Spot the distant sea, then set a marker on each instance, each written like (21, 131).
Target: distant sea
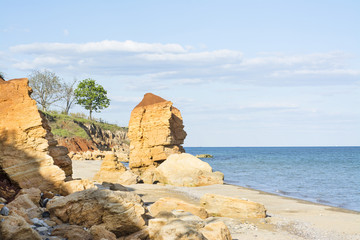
(326, 175)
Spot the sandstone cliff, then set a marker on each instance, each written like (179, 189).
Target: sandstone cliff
(156, 130)
(28, 151)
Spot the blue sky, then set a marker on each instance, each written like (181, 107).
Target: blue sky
(242, 73)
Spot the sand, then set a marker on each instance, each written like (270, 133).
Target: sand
(288, 218)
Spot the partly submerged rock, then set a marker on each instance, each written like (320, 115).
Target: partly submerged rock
(156, 130)
(119, 212)
(223, 206)
(186, 170)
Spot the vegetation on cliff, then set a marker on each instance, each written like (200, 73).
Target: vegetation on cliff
(63, 125)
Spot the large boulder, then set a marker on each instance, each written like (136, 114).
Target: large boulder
(15, 227)
(223, 206)
(169, 204)
(178, 225)
(156, 131)
(26, 143)
(119, 212)
(186, 170)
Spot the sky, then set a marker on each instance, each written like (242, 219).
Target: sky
(242, 73)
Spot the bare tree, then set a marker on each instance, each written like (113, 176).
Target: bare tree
(68, 95)
(46, 87)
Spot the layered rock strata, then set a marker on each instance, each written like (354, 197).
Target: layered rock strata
(26, 143)
(156, 131)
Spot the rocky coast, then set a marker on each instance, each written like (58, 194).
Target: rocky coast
(165, 194)
(287, 218)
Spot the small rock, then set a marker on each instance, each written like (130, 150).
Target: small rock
(3, 200)
(45, 214)
(4, 211)
(43, 202)
(39, 223)
(42, 230)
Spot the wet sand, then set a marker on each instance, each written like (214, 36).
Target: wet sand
(288, 218)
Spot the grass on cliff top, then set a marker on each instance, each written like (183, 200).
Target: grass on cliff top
(65, 125)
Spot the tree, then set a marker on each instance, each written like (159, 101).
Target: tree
(46, 87)
(68, 95)
(91, 96)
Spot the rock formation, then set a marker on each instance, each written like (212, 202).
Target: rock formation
(186, 170)
(119, 212)
(156, 130)
(27, 148)
(223, 206)
(113, 171)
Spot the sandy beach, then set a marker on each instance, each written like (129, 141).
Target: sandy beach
(288, 218)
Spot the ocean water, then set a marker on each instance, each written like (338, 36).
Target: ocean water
(326, 175)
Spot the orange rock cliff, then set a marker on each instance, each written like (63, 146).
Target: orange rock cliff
(29, 155)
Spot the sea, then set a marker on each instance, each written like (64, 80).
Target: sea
(325, 175)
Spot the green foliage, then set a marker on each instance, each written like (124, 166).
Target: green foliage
(63, 125)
(91, 96)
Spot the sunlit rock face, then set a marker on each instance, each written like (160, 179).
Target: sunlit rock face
(156, 131)
(26, 143)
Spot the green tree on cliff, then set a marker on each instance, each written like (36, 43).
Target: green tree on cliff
(91, 96)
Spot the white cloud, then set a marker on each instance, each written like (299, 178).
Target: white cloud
(96, 47)
(331, 72)
(163, 65)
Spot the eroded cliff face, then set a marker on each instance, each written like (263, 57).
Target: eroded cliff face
(156, 130)
(28, 151)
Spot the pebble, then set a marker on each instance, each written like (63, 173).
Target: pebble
(43, 202)
(45, 214)
(4, 211)
(3, 200)
(39, 223)
(42, 230)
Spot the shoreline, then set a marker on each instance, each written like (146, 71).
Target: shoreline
(93, 166)
(297, 199)
(288, 218)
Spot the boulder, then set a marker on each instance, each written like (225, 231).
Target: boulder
(169, 204)
(186, 170)
(75, 186)
(26, 141)
(184, 225)
(216, 231)
(119, 212)
(156, 130)
(15, 227)
(99, 232)
(24, 206)
(223, 206)
(161, 229)
(71, 232)
(113, 171)
(33, 193)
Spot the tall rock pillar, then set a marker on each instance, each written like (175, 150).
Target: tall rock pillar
(156, 130)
